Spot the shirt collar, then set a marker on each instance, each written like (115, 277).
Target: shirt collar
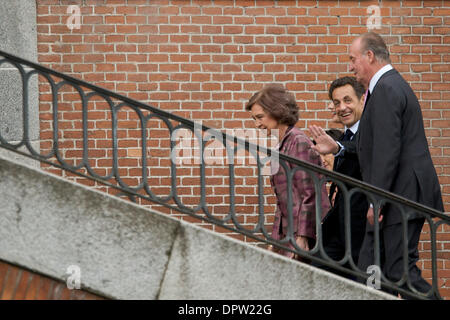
(353, 128)
(377, 76)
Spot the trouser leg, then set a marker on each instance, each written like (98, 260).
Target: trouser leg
(394, 267)
(366, 257)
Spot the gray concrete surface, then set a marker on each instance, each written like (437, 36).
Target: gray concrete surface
(124, 251)
(18, 36)
(16, 157)
(204, 265)
(18, 28)
(11, 102)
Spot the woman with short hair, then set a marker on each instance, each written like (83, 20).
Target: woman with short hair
(274, 108)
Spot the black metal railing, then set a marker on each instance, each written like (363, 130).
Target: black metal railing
(202, 134)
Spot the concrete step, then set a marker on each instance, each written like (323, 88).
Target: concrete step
(121, 250)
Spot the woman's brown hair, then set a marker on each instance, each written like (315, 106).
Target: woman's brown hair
(277, 102)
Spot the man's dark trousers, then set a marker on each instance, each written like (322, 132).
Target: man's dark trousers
(392, 248)
(333, 226)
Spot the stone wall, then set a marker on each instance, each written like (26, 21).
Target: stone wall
(18, 36)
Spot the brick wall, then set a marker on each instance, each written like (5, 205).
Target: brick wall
(203, 60)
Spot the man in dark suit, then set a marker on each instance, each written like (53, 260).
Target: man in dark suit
(393, 155)
(348, 97)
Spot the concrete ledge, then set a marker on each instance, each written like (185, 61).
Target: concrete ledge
(18, 36)
(11, 106)
(18, 28)
(125, 251)
(205, 265)
(16, 157)
(48, 224)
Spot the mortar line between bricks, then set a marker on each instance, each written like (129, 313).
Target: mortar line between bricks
(5, 279)
(18, 278)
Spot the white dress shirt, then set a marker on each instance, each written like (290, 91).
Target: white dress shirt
(378, 75)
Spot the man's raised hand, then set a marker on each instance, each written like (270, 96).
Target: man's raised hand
(325, 144)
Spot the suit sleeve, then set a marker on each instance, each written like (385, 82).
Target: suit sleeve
(385, 117)
(350, 146)
(303, 186)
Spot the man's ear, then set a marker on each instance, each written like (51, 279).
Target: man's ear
(363, 98)
(371, 56)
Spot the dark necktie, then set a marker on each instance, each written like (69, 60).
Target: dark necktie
(347, 137)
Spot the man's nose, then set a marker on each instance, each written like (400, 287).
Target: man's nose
(340, 107)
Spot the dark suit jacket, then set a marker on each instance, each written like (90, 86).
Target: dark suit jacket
(392, 147)
(334, 222)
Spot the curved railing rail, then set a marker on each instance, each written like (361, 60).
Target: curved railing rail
(232, 144)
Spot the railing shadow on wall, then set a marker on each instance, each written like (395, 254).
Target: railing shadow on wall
(83, 93)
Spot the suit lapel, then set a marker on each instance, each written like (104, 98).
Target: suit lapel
(367, 103)
(335, 164)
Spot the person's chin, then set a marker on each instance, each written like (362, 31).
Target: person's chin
(343, 121)
(348, 124)
(265, 131)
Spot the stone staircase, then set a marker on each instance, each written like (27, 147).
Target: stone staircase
(123, 251)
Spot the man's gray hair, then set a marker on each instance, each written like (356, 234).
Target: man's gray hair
(372, 41)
